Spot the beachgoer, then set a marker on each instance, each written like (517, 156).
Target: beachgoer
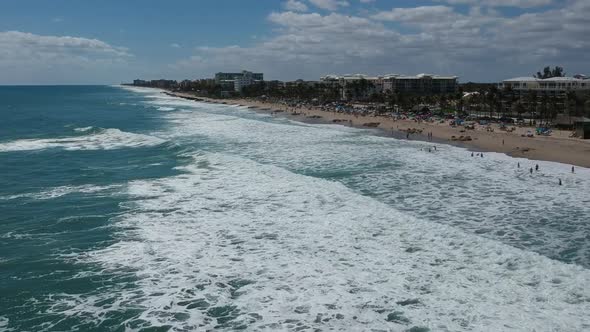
(560, 182)
(482, 155)
(537, 167)
(502, 142)
(472, 154)
(408, 136)
(518, 165)
(572, 169)
(531, 170)
(434, 148)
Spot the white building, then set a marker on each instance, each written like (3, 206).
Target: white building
(344, 81)
(418, 84)
(554, 85)
(237, 81)
(242, 81)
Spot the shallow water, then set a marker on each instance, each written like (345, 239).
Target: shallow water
(126, 207)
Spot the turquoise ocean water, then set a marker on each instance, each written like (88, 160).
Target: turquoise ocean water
(125, 209)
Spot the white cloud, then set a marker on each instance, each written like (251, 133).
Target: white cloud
(502, 3)
(416, 14)
(25, 54)
(480, 43)
(16, 45)
(175, 45)
(329, 4)
(295, 5)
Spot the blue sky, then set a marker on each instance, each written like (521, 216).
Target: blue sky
(105, 42)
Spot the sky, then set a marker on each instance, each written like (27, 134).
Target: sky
(114, 41)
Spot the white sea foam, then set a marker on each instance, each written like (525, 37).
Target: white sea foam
(63, 191)
(489, 195)
(137, 89)
(166, 109)
(106, 139)
(3, 323)
(83, 129)
(244, 238)
(236, 243)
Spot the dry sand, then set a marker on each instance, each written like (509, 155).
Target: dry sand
(559, 147)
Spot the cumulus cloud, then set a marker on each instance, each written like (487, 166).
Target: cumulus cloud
(24, 53)
(22, 46)
(502, 3)
(416, 14)
(329, 4)
(296, 6)
(436, 39)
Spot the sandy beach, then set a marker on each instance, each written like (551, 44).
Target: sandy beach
(558, 147)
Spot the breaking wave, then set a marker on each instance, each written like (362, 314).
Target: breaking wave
(236, 244)
(63, 191)
(95, 139)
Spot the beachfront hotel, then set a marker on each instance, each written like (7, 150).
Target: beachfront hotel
(237, 81)
(551, 86)
(418, 84)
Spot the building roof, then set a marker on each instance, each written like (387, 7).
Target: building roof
(367, 77)
(523, 79)
(562, 79)
(420, 76)
(552, 79)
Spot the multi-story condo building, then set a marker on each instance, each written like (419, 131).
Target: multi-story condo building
(347, 83)
(419, 84)
(232, 76)
(237, 81)
(552, 86)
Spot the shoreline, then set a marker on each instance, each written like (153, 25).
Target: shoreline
(558, 148)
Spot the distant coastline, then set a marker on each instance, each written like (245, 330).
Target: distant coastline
(557, 148)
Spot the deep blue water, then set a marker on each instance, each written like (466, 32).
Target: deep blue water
(35, 232)
(124, 209)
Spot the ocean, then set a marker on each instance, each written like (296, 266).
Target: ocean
(123, 209)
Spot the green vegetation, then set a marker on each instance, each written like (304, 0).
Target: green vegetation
(481, 100)
(549, 73)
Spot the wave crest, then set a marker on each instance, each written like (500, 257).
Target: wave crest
(95, 139)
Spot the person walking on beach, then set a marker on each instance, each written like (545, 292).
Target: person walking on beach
(472, 154)
(537, 167)
(560, 182)
(518, 165)
(481, 155)
(531, 170)
(502, 142)
(572, 169)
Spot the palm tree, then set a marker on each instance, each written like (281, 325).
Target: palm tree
(520, 109)
(570, 104)
(507, 96)
(532, 105)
